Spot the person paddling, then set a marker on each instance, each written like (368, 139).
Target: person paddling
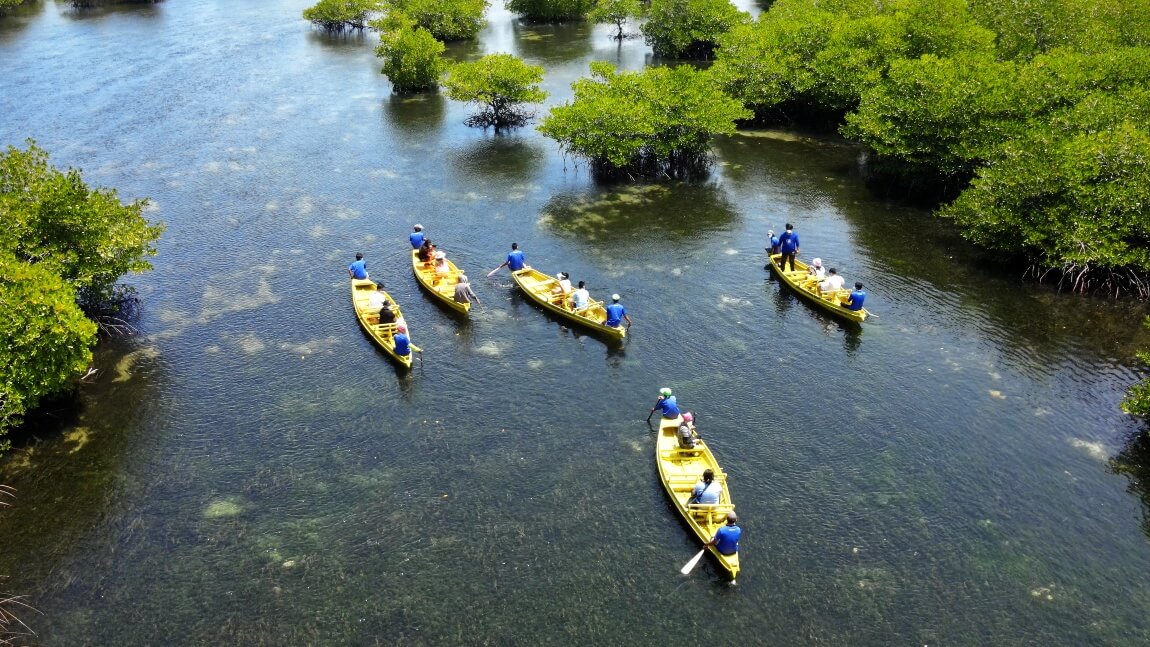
(358, 269)
(515, 260)
(726, 540)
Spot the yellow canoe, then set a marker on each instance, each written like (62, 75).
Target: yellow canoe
(680, 470)
(832, 302)
(544, 290)
(441, 286)
(383, 334)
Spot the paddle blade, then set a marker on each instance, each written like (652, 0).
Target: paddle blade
(690, 566)
(492, 272)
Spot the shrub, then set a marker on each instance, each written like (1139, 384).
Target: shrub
(338, 15)
(447, 20)
(689, 28)
(411, 56)
(616, 12)
(500, 84)
(551, 10)
(657, 121)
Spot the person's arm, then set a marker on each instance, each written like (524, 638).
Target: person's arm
(628, 318)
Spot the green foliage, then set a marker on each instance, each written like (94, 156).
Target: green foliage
(544, 11)
(338, 15)
(447, 20)
(689, 28)
(7, 4)
(63, 246)
(48, 338)
(500, 84)
(86, 236)
(657, 121)
(412, 56)
(616, 12)
(1137, 399)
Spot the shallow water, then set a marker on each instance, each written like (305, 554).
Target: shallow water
(250, 470)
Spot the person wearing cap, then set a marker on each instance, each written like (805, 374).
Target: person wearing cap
(358, 269)
(832, 284)
(726, 540)
(687, 435)
(856, 298)
(666, 404)
(707, 490)
(581, 297)
(788, 247)
(564, 288)
(402, 341)
(416, 237)
(773, 241)
(442, 269)
(463, 292)
(616, 313)
(816, 270)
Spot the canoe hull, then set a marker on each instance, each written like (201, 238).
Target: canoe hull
(382, 335)
(442, 288)
(538, 286)
(680, 470)
(831, 303)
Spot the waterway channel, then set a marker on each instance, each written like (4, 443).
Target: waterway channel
(250, 470)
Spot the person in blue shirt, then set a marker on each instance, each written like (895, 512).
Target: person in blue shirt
(666, 404)
(402, 341)
(726, 541)
(774, 242)
(515, 260)
(616, 313)
(788, 247)
(358, 269)
(416, 237)
(706, 491)
(856, 298)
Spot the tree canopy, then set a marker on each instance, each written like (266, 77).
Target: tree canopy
(655, 122)
(412, 56)
(1137, 399)
(62, 249)
(689, 28)
(545, 11)
(340, 15)
(499, 84)
(446, 20)
(616, 12)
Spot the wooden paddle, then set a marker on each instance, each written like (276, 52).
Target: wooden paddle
(492, 272)
(690, 566)
(652, 411)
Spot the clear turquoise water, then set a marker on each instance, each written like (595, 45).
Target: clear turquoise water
(250, 470)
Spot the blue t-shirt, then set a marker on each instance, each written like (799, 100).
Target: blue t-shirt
(615, 313)
(515, 260)
(855, 300)
(706, 493)
(416, 239)
(358, 269)
(727, 539)
(788, 242)
(774, 242)
(402, 344)
(668, 407)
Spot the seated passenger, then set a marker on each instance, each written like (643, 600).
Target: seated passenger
(832, 284)
(706, 491)
(616, 313)
(687, 435)
(463, 292)
(426, 250)
(726, 540)
(386, 314)
(376, 299)
(856, 298)
(442, 269)
(581, 297)
(564, 288)
(815, 270)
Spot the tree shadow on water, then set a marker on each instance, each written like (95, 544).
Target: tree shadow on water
(640, 213)
(96, 9)
(1133, 461)
(502, 156)
(415, 115)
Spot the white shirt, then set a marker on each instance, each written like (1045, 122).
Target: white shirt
(818, 272)
(581, 297)
(375, 300)
(565, 285)
(834, 282)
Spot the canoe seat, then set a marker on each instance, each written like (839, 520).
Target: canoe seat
(712, 511)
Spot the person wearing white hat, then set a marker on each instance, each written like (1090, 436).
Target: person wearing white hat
(616, 313)
(416, 237)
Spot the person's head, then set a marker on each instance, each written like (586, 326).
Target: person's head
(688, 417)
(615, 298)
(832, 271)
(358, 256)
(732, 518)
(563, 276)
(708, 475)
(790, 226)
(858, 286)
(818, 262)
(582, 285)
(439, 256)
(427, 243)
(419, 227)
(463, 278)
(665, 392)
(770, 232)
(401, 328)
(387, 305)
(514, 245)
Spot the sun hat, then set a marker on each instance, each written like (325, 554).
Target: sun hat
(687, 417)
(614, 297)
(665, 391)
(818, 262)
(419, 227)
(439, 255)
(401, 328)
